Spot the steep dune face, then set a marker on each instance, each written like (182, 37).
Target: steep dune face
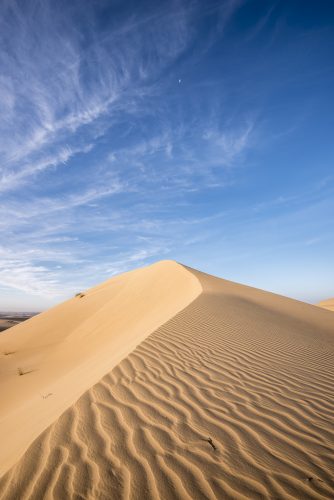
(232, 397)
(47, 362)
(327, 304)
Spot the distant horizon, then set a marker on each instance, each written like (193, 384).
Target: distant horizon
(195, 131)
(19, 311)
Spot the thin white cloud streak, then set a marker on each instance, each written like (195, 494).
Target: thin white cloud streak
(15, 178)
(230, 144)
(134, 259)
(32, 279)
(28, 269)
(176, 159)
(16, 213)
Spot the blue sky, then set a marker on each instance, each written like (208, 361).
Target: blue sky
(134, 131)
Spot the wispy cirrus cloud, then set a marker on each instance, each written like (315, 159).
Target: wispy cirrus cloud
(130, 131)
(14, 177)
(230, 144)
(60, 80)
(23, 274)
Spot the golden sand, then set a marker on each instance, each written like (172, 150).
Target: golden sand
(168, 383)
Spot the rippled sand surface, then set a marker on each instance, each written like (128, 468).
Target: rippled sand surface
(232, 396)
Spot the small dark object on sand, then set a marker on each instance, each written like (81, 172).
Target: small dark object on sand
(23, 372)
(209, 440)
(47, 395)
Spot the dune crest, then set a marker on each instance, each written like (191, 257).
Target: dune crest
(51, 359)
(232, 396)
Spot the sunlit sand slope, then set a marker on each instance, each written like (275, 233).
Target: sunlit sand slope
(327, 304)
(233, 397)
(47, 362)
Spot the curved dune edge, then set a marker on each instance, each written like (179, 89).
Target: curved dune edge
(64, 351)
(232, 397)
(327, 304)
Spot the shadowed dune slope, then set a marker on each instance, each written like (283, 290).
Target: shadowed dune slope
(232, 397)
(47, 362)
(327, 304)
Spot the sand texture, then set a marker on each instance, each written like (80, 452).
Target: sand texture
(327, 304)
(230, 396)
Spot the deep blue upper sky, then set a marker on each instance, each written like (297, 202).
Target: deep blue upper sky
(134, 131)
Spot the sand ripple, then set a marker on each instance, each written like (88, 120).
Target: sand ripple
(223, 401)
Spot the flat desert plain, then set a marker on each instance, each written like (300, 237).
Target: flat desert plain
(8, 320)
(168, 383)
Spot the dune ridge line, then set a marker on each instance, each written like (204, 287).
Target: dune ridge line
(231, 398)
(57, 355)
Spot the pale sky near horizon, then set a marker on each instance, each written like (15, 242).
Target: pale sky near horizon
(135, 131)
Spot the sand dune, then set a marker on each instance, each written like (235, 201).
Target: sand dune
(327, 304)
(230, 396)
(65, 350)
